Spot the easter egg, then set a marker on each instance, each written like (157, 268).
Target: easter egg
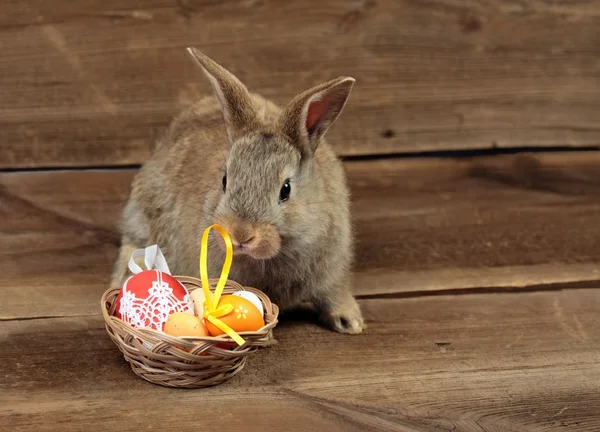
(244, 316)
(148, 298)
(198, 299)
(253, 298)
(185, 324)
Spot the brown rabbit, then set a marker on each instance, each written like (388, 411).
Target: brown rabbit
(269, 178)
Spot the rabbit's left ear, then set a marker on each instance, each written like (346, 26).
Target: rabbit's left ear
(309, 115)
(238, 111)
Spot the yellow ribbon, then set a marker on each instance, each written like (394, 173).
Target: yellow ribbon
(212, 311)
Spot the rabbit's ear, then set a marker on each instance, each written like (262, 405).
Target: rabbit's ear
(309, 115)
(236, 104)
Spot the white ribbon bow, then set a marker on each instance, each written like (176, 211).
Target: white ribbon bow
(153, 258)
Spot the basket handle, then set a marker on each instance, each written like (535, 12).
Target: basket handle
(153, 258)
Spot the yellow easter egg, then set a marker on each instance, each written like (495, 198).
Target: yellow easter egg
(184, 324)
(244, 316)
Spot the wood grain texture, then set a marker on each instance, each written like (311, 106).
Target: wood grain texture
(422, 225)
(95, 83)
(482, 362)
(501, 221)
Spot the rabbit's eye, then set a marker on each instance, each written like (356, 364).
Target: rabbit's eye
(284, 195)
(224, 182)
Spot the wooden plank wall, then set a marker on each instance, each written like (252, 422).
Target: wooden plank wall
(93, 83)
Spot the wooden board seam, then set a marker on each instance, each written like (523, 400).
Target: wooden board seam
(592, 284)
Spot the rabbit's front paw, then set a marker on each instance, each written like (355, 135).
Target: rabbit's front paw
(348, 320)
(349, 325)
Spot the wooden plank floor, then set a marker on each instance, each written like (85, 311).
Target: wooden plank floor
(478, 279)
(493, 362)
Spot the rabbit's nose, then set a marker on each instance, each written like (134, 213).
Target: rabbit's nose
(243, 243)
(259, 241)
(242, 235)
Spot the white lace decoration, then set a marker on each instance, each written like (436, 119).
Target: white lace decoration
(153, 310)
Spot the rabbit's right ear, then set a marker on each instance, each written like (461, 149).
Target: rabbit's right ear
(309, 115)
(238, 111)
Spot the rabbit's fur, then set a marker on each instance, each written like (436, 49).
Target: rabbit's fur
(297, 250)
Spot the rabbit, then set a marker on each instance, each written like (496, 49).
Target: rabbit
(266, 174)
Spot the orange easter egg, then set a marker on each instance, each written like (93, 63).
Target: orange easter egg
(184, 324)
(244, 316)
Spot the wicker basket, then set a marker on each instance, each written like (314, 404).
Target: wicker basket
(186, 362)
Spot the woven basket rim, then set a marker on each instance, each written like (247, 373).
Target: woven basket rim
(271, 313)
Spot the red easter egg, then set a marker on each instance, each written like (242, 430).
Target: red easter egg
(148, 298)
